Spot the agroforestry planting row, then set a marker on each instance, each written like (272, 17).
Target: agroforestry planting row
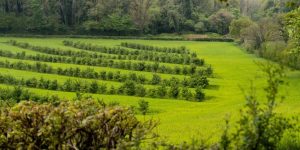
(126, 65)
(113, 53)
(140, 47)
(17, 94)
(132, 84)
(180, 50)
(89, 73)
(129, 88)
(183, 55)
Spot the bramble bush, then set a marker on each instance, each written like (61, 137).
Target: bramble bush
(85, 124)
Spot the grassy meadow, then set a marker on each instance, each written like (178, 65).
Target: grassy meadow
(179, 119)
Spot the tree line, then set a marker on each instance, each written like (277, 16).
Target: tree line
(129, 88)
(113, 54)
(138, 66)
(18, 94)
(90, 73)
(126, 65)
(116, 17)
(271, 32)
(180, 50)
(133, 17)
(182, 58)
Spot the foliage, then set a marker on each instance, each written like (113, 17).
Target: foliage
(199, 94)
(143, 107)
(71, 125)
(220, 22)
(259, 126)
(238, 25)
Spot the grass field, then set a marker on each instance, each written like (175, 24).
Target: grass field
(182, 120)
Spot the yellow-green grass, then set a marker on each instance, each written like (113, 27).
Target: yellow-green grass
(182, 120)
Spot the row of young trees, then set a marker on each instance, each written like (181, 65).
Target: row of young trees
(112, 50)
(89, 73)
(158, 54)
(128, 65)
(129, 88)
(147, 56)
(180, 50)
(18, 94)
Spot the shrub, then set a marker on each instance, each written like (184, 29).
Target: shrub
(143, 107)
(199, 95)
(82, 124)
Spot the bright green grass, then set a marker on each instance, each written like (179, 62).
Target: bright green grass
(182, 120)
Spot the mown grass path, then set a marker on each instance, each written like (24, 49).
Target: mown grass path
(183, 120)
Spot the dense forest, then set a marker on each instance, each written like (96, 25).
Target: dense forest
(131, 17)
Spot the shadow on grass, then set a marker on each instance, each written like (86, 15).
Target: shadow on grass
(207, 98)
(213, 87)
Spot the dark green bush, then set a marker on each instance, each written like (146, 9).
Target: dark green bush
(85, 124)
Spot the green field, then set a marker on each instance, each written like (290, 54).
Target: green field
(181, 120)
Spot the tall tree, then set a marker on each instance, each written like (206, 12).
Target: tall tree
(140, 12)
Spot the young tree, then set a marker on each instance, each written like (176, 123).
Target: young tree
(260, 127)
(161, 91)
(156, 79)
(199, 95)
(186, 93)
(129, 88)
(174, 91)
(140, 90)
(93, 88)
(143, 107)
(112, 90)
(68, 85)
(53, 85)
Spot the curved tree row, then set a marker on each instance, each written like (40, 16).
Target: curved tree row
(145, 56)
(17, 94)
(129, 88)
(162, 56)
(180, 50)
(126, 65)
(89, 73)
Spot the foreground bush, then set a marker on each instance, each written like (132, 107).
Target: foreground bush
(70, 125)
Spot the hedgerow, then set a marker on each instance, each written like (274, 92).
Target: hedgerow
(129, 88)
(166, 55)
(89, 73)
(180, 50)
(126, 65)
